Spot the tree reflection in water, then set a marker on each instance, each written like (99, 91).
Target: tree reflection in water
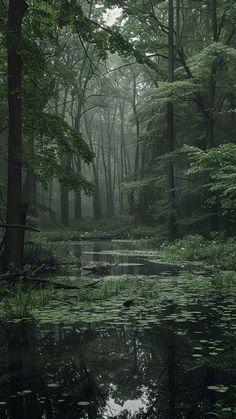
(58, 373)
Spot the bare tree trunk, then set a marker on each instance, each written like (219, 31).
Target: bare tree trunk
(51, 217)
(211, 120)
(78, 192)
(111, 207)
(29, 191)
(14, 241)
(137, 123)
(97, 210)
(172, 225)
(64, 197)
(65, 205)
(122, 156)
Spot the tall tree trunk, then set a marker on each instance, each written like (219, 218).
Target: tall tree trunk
(211, 119)
(29, 191)
(172, 225)
(97, 210)
(214, 20)
(64, 205)
(111, 212)
(65, 208)
(66, 163)
(137, 124)
(122, 156)
(78, 194)
(14, 242)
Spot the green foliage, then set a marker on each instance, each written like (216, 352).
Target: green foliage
(218, 253)
(176, 92)
(218, 166)
(57, 140)
(216, 54)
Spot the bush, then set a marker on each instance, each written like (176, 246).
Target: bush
(38, 252)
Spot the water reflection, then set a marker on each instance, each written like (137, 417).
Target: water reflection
(119, 373)
(64, 371)
(118, 254)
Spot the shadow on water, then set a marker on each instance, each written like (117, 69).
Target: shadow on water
(61, 371)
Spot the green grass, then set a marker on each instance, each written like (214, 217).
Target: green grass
(21, 298)
(219, 253)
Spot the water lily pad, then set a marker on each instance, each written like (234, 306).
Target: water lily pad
(53, 385)
(83, 403)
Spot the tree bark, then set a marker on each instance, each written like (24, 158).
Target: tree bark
(172, 226)
(78, 194)
(64, 195)
(14, 241)
(29, 192)
(65, 207)
(122, 156)
(97, 210)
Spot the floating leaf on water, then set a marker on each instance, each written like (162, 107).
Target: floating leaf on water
(219, 388)
(53, 385)
(83, 403)
(26, 392)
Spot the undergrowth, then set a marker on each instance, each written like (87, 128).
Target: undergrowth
(20, 299)
(220, 253)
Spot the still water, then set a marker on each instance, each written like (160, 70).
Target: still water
(176, 361)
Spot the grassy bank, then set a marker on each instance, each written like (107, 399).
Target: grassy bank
(221, 253)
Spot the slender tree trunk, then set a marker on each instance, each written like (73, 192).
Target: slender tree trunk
(14, 241)
(106, 176)
(78, 194)
(214, 20)
(64, 205)
(137, 123)
(50, 203)
(211, 120)
(172, 226)
(43, 204)
(29, 191)
(97, 210)
(65, 208)
(66, 163)
(111, 209)
(122, 157)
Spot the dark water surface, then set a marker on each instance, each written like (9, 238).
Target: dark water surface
(178, 364)
(122, 256)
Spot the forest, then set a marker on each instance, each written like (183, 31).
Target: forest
(117, 209)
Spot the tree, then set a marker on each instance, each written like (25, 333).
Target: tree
(172, 226)
(14, 239)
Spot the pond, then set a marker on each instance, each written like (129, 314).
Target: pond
(148, 341)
